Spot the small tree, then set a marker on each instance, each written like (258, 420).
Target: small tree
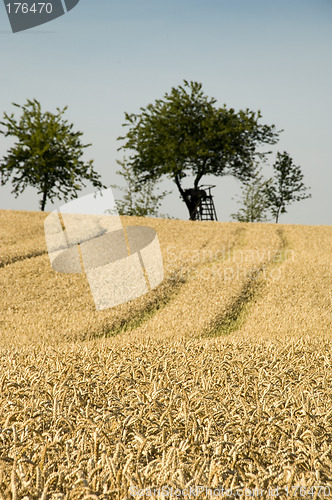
(287, 185)
(46, 156)
(139, 199)
(254, 199)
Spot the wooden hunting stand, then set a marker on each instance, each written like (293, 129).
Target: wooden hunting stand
(201, 203)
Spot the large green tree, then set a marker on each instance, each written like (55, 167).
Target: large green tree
(47, 154)
(186, 134)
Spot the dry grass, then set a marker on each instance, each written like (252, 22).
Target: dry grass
(97, 419)
(21, 235)
(54, 307)
(298, 293)
(214, 285)
(220, 377)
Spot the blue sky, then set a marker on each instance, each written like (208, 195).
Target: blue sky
(104, 58)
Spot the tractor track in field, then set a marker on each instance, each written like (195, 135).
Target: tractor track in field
(167, 292)
(252, 289)
(20, 258)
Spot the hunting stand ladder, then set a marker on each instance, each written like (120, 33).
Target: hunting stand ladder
(201, 201)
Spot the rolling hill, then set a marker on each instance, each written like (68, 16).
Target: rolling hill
(220, 377)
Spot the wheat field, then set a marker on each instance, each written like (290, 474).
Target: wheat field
(217, 384)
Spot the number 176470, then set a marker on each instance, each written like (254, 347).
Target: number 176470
(35, 8)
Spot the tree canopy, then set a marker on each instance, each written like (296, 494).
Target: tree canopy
(265, 197)
(186, 134)
(287, 185)
(137, 200)
(47, 154)
(254, 198)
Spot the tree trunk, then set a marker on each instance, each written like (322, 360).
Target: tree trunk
(198, 178)
(277, 217)
(43, 202)
(45, 190)
(184, 197)
(190, 206)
